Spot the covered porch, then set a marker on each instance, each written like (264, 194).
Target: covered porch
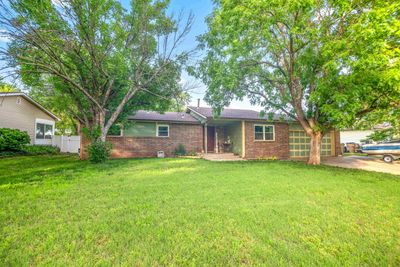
(224, 137)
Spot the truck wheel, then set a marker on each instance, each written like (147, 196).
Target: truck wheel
(387, 158)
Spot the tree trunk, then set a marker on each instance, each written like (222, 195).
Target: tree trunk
(103, 135)
(103, 128)
(315, 148)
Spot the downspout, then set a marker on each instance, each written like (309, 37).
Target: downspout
(205, 138)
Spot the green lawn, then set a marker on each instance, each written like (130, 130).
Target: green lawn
(61, 211)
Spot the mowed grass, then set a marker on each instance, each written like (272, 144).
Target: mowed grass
(61, 211)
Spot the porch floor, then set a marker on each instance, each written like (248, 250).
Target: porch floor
(221, 157)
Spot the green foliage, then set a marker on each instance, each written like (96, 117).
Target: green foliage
(180, 150)
(185, 212)
(32, 150)
(13, 139)
(41, 150)
(326, 63)
(5, 87)
(94, 62)
(272, 158)
(115, 130)
(191, 153)
(382, 135)
(92, 134)
(99, 151)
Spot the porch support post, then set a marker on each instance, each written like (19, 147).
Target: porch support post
(243, 140)
(216, 149)
(205, 138)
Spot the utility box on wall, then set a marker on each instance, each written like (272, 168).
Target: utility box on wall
(160, 154)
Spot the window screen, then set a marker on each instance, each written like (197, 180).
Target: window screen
(163, 130)
(264, 132)
(258, 132)
(44, 131)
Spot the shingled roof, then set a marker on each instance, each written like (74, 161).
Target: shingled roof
(230, 113)
(144, 115)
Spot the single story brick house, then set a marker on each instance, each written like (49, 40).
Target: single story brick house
(242, 132)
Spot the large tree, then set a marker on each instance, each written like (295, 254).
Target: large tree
(101, 60)
(322, 63)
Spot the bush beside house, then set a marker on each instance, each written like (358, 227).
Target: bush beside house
(13, 139)
(99, 151)
(15, 142)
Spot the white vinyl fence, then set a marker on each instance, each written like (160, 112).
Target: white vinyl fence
(68, 144)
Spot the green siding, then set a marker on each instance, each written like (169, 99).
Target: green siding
(143, 129)
(234, 132)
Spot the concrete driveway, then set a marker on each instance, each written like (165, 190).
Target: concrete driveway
(364, 163)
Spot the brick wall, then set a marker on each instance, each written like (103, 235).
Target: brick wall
(83, 153)
(278, 148)
(191, 136)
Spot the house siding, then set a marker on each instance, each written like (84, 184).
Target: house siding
(349, 136)
(190, 135)
(140, 129)
(278, 148)
(21, 116)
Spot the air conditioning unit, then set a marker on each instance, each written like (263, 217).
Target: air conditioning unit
(160, 154)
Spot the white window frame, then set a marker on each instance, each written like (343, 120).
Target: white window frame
(48, 122)
(162, 125)
(263, 127)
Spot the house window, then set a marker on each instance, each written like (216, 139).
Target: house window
(44, 131)
(264, 132)
(162, 130)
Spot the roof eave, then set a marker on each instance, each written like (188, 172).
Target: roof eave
(248, 119)
(198, 113)
(34, 103)
(171, 121)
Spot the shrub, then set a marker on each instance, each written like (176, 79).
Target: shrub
(192, 153)
(41, 150)
(13, 139)
(32, 150)
(99, 151)
(11, 153)
(180, 150)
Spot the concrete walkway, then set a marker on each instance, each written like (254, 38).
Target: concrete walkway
(221, 157)
(364, 163)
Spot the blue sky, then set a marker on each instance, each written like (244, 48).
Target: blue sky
(200, 10)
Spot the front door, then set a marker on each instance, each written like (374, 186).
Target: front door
(210, 139)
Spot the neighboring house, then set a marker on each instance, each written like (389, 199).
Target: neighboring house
(354, 136)
(359, 136)
(19, 111)
(242, 132)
